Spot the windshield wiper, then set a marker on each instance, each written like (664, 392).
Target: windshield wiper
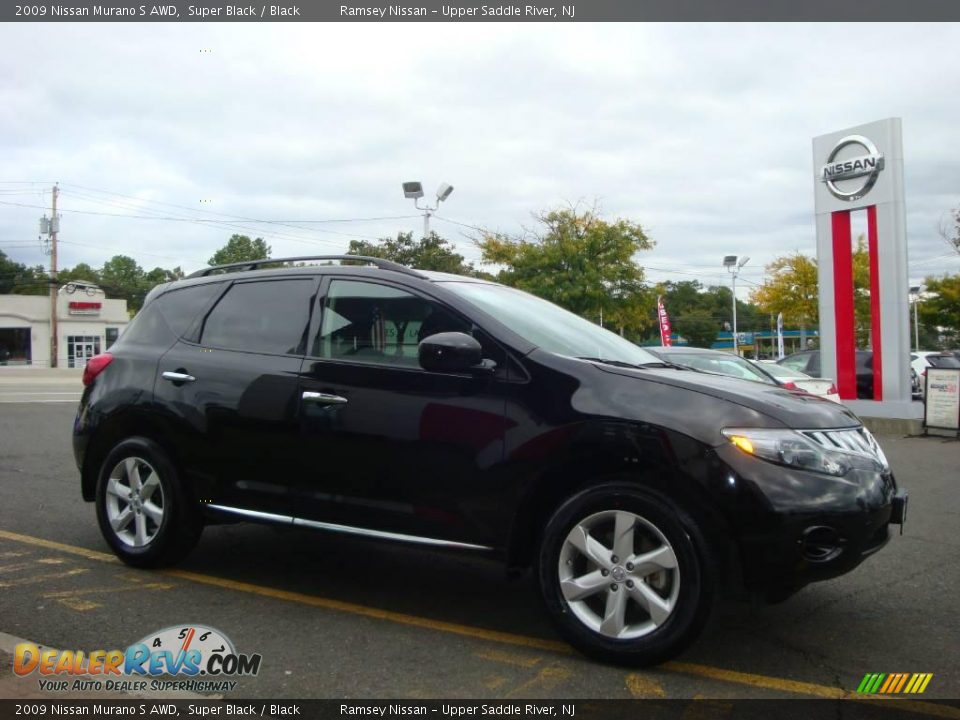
(607, 361)
(668, 364)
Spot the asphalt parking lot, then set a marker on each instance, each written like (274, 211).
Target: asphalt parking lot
(338, 617)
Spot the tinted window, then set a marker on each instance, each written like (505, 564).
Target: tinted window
(378, 323)
(181, 307)
(147, 328)
(269, 316)
(943, 361)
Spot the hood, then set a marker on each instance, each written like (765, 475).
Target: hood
(790, 408)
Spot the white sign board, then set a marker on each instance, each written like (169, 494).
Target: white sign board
(943, 398)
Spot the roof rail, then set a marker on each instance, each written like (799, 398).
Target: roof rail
(254, 264)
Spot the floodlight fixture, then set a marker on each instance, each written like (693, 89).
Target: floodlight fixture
(443, 192)
(729, 261)
(413, 190)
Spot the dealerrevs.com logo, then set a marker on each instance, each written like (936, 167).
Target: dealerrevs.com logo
(199, 658)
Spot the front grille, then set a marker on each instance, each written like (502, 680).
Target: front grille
(856, 440)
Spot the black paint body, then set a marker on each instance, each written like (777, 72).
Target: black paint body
(480, 458)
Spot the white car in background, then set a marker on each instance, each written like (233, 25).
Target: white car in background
(921, 360)
(794, 379)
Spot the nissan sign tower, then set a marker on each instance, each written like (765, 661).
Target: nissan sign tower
(862, 169)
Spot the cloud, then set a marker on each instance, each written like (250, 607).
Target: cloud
(700, 132)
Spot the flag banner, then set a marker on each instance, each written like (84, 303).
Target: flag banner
(664, 323)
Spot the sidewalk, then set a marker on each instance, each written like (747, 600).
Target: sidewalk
(21, 372)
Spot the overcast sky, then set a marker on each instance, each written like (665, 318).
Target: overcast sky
(702, 133)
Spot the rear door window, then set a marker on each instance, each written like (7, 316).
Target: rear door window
(265, 316)
(180, 308)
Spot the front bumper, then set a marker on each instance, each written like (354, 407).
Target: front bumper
(794, 527)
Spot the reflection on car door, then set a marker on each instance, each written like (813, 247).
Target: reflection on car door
(389, 446)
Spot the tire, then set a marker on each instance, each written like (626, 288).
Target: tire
(157, 528)
(665, 600)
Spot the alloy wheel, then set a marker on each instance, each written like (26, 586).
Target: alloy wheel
(619, 574)
(135, 502)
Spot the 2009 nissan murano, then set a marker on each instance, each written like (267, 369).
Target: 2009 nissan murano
(420, 407)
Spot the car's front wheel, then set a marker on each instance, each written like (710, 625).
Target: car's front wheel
(625, 575)
(144, 513)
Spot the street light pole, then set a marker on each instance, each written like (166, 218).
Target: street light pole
(915, 291)
(733, 266)
(414, 191)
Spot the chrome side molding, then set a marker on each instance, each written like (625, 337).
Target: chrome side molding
(346, 529)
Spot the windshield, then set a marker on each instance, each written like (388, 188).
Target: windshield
(722, 364)
(550, 327)
(783, 372)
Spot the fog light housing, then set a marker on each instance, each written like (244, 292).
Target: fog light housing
(820, 544)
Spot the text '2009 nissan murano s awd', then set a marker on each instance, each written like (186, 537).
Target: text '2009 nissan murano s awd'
(419, 407)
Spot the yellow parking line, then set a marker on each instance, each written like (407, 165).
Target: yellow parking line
(34, 579)
(508, 658)
(641, 686)
(685, 668)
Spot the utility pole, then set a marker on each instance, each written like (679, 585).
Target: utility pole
(734, 265)
(54, 227)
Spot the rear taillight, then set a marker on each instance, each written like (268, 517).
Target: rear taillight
(790, 385)
(95, 366)
(833, 390)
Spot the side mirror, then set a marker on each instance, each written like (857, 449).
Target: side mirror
(450, 352)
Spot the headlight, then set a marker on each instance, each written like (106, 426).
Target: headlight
(790, 448)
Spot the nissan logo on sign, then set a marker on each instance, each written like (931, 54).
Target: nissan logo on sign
(866, 166)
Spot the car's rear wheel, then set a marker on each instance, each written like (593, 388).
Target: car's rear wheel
(625, 575)
(144, 513)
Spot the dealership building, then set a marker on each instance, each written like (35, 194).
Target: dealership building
(87, 324)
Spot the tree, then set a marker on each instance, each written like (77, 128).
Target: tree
(580, 262)
(240, 248)
(19, 279)
(940, 308)
(952, 234)
(426, 253)
(698, 327)
(793, 290)
(81, 272)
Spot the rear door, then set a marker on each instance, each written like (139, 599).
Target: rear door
(228, 390)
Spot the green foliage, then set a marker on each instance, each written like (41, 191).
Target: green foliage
(688, 297)
(580, 262)
(698, 327)
(19, 279)
(81, 272)
(793, 290)
(241, 248)
(940, 308)
(426, 253)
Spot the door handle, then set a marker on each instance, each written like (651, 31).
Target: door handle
(319, 398)
(177, 377)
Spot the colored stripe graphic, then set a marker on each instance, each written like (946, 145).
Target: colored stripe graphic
(875, 341)
(894, 683)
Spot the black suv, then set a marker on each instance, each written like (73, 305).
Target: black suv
(448, 411)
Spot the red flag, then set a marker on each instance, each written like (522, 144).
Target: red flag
(664, 323)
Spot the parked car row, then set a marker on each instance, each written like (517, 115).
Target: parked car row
(724, 363)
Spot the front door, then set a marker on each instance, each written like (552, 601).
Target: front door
(387, 445)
